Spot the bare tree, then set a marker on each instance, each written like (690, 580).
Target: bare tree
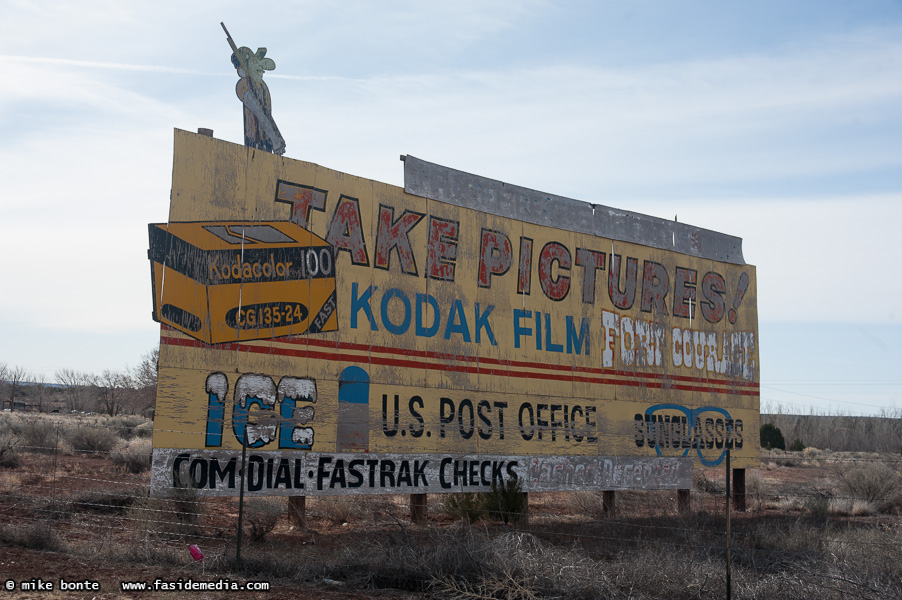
(15, 377)
(113, 387)
(39, 392)
(76, 388)
(144, 380)
(145, 374)
(4, 373)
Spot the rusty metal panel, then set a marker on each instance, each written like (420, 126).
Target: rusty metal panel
(481, 193)
(457, 330)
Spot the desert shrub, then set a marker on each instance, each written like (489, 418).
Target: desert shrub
(701, 483)
(467, 506)
(149, 554)
(519, 565)
(188, 505)
(125, 425)
(260, 517)
(51, 508)
(37, 535)
(586, 503)
(869, 558)
(781, 458)
(844, 507)
(772, 437)
(144, 430)
(796, 445)
(102, 502)
(659, 502)
(756, 490)
(38, 435)
(872, 482)
(9, 454)
(179, 514)
(344, 509)
(135, 457)
(505, 502)
(92, 439)
(817, 504)
(336, 509)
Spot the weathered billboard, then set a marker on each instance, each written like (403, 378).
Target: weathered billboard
(358, 337)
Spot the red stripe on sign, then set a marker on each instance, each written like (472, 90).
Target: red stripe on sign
(513, 363)
(346, 353)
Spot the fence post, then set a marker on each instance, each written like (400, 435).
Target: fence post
(297, 511)
(607, 503)
(241, 504)
(739, 489)
(729, 560)
(418, 508)
(684, 503)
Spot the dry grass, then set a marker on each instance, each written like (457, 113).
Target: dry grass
(814, 530)
(338, 510)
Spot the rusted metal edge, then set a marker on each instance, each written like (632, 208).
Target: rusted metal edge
(429, 180)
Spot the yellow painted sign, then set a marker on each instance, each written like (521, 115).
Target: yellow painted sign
(452, 332)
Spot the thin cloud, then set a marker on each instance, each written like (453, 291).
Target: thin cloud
(93, 64)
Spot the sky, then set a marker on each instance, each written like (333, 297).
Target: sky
(778, 122)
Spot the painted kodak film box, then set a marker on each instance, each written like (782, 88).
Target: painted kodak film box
(231, 281)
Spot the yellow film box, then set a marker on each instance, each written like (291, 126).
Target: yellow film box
(230, 281)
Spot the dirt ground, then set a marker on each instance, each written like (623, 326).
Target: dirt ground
(61, 492)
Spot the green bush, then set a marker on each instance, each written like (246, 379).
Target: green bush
(796, 446)
(506, 501)
(467, 506)
(772, 437)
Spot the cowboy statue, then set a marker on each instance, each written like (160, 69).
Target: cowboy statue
(260, 130)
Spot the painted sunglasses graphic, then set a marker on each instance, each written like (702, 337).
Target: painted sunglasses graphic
(675, 430)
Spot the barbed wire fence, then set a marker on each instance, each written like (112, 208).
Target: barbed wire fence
(818, 522)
